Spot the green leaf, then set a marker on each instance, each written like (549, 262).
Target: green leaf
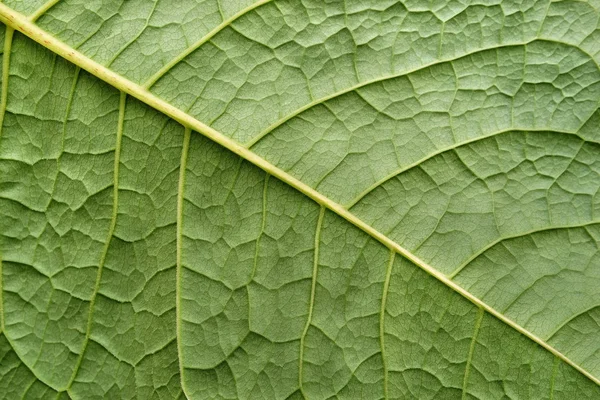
(300, 199)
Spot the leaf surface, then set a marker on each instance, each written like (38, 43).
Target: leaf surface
(288, 199)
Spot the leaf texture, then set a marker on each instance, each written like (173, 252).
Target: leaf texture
(300, 199)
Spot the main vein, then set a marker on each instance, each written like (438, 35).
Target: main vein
(111, 231)
(21, 23)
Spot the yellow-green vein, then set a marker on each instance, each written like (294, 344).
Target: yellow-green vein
(20, 22)
(569, 320)
(122, 49)
(167, 67)
(4, 93)
(478, 253)
(111, 231)
(478, 320)
(262, 228)
(360, 85)
(8, 37)
(386, 287)
(311, 304)
(42, 10)
(453, 146)
(180, 197)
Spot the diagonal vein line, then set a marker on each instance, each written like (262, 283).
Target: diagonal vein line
(180, 197)
(5, 73)
(20, 22)
(501, 239)
(569, 320)
(311, 304)
(136, 37)
(24, 396)
(30, 370)
(4, 93)
(111, 231)
(480, 315)
(355, 88)
(42, 10)
(453, 146)
(386, 287)
(263, 225)
(167, 67)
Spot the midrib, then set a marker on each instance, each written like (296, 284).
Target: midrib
(21, 23)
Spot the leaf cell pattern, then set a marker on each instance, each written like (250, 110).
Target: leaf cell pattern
(299, 199)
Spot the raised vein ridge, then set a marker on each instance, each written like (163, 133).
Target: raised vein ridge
(180, 195)
(4, 92)
(21, 23)
(110, 235)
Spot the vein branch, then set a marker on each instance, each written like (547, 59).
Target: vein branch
(263, 224)
(386, 287)
(356, 88)
(167, 67)
(111, 231)
(4, 93)
(478, 320)
(180, 200)
(311, 304)
(481, 251)
(42, 10)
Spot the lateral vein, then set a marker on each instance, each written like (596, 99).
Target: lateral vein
(42, 10)
(480, 315)
(167, 67)
(481, 251)
(4, 93)
(311, 304)
(180, 197)
(111, 232)
(386, 287)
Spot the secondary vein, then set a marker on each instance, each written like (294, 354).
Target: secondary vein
(4, 93)
(358, 86)
(262, 228)
(167, 67)
(311, 303)
(111, 231)
(481, 251)
(386, 287)
(8, 37)
(180, 197)
(480, 315)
